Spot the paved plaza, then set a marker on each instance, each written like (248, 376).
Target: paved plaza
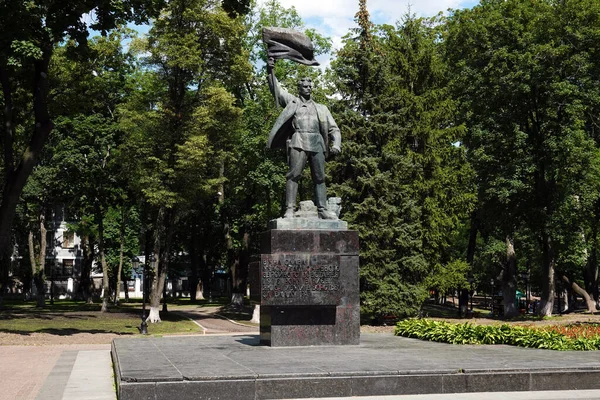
(85, 371)
(228, 350)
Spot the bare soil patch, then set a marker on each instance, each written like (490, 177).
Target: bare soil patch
(46, 339)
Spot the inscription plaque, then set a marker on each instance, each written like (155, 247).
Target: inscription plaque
(300, 279)
(307, 284)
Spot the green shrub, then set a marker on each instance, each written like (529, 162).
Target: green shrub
(468, 333)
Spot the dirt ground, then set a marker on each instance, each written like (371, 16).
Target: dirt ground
(48, 339)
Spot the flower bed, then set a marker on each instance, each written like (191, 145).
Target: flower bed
(554, 337)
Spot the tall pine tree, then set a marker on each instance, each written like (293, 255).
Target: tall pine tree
(404, 184)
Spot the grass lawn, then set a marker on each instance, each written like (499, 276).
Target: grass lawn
(70, 317)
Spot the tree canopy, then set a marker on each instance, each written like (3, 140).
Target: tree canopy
(470, 145)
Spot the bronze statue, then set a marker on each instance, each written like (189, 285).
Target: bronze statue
(304, 128)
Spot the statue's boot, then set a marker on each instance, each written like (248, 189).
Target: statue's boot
(321, 200)
(291, 192)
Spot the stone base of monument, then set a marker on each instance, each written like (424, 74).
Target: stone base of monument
(307, 284)
(238, 368)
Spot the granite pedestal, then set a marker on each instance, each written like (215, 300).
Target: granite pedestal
(307, 284)
(238, 368)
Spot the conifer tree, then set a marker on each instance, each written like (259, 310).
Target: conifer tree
(404, 185)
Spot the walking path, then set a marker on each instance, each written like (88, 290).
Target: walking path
(213, 324)
(51, 372)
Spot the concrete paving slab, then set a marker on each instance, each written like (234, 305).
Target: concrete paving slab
(91, 377)
(55, 383)
(381, 365)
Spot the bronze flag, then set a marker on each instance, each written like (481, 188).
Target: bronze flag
(289, 44)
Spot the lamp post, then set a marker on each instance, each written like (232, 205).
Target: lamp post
(492, 282)
(525, 277)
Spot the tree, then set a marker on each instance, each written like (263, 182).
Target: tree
(30, 32)
(88, 138)
(525, 73)
(122, 242)
(403, 183)
(188, 116)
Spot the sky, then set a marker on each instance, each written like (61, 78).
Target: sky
(333, 18)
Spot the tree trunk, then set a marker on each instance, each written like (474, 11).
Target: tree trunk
(590, 269)
(15, 179)
(8, 137)
(226, 226)
(125, 286)
(85, 282)
(38, 263)
(563, 300)
(38, 279)
(162, 244)
(198, 289)
(591, 304)
(102, 256)
(194, 264)
(204, 277)
(157, 288)
(237, 299)
(472, 238)
(121, 250)
(40, 287)
(242, 276)
(591, 274)
(548, 264)
(509, 284)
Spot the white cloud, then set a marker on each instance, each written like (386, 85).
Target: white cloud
(335, 17)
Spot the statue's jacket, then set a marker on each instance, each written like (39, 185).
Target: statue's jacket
(283, 130)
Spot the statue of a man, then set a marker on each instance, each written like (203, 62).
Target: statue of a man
(308, 132)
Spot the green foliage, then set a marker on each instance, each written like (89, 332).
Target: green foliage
(405, 186)
(496, 106)
(183, 114)
(467, 333)
(526, 75)
(449, 277)
(121, 221)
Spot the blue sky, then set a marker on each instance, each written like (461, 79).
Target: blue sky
(333, 18)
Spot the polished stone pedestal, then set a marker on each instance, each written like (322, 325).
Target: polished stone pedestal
(307, 283)
(238, 368)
